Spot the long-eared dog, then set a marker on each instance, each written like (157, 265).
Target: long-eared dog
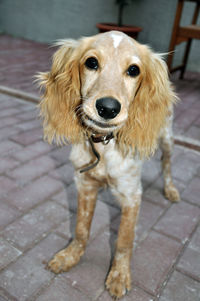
(110, 97)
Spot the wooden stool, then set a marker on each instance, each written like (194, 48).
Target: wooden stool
(183, 34)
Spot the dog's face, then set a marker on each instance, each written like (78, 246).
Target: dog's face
(110, 74)
(106, 83)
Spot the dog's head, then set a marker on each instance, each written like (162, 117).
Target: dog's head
(106, 83)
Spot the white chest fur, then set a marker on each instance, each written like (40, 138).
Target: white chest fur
(124, 172)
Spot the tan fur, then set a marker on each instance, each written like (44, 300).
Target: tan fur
(70, 256)
(119, 279)
(62, 94)
(69, 111)
(148, 111)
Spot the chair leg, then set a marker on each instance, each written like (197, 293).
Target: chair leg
(189, 42)
(173, 41)
(185, 58)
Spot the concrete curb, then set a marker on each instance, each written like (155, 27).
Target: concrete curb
(187, 142)
(20, 94)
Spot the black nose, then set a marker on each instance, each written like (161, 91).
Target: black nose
(108, 107)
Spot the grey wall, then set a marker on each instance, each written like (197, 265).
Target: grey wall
(48, 20)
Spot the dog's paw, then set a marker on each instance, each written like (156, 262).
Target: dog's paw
(118, 283)
(64, 260)
(172, 193)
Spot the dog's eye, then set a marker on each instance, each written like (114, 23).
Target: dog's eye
(92, 63)
(133, 71)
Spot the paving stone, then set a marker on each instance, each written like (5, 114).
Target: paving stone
(153, 260)
(7, 214)
(7, 163)
(185, 119)
(198, 172)
(28, 137)
(106, 196)
(20, 64)
(192, 191)
(31, 115)
(29, 125)
(7, 253)
(159, 185)
(8, 132)
(190, 263)
(8, 147)
(8, 101)
(150, 171)
(135, 294)
(32, 151)
(9, 112)
(26, 106)
(67, 228)
(28, 274)
(156, 196)
(149, 214)
(195, 241)
(197, 122)
(33, 193)
(2, 299)
(193, 132)
(179, 221)
(61, 154)
(7, 121)
(89, 275)
(67, 197)
(28, 229)
(103, 216)
(88, 278)
(181, 288)
(6, 185)
(32, 170)
(64, 173)
(62, 291)
(186, 166)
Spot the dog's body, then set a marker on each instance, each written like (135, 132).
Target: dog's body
(98, 86)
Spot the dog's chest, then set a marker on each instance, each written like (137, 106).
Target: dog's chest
(112, 164)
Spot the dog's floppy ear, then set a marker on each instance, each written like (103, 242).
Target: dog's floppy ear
(62, 95)
(150, 107)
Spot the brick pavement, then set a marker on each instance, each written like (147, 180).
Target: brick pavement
(37, 218)
(38, 203)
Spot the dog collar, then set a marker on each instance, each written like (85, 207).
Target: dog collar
(96, 139)
(104, 139)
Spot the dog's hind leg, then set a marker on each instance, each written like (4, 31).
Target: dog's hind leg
(166, 145)
(69, 257)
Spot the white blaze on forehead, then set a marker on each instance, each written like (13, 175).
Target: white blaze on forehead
(135, 59)
(116, 39)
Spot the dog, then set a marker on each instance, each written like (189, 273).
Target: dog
(111, 98)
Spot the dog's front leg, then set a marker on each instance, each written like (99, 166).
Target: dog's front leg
(119, 278)
(69, 257)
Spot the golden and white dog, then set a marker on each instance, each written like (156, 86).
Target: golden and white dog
(111, 98)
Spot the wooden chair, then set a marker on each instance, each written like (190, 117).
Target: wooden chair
(183, 34)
